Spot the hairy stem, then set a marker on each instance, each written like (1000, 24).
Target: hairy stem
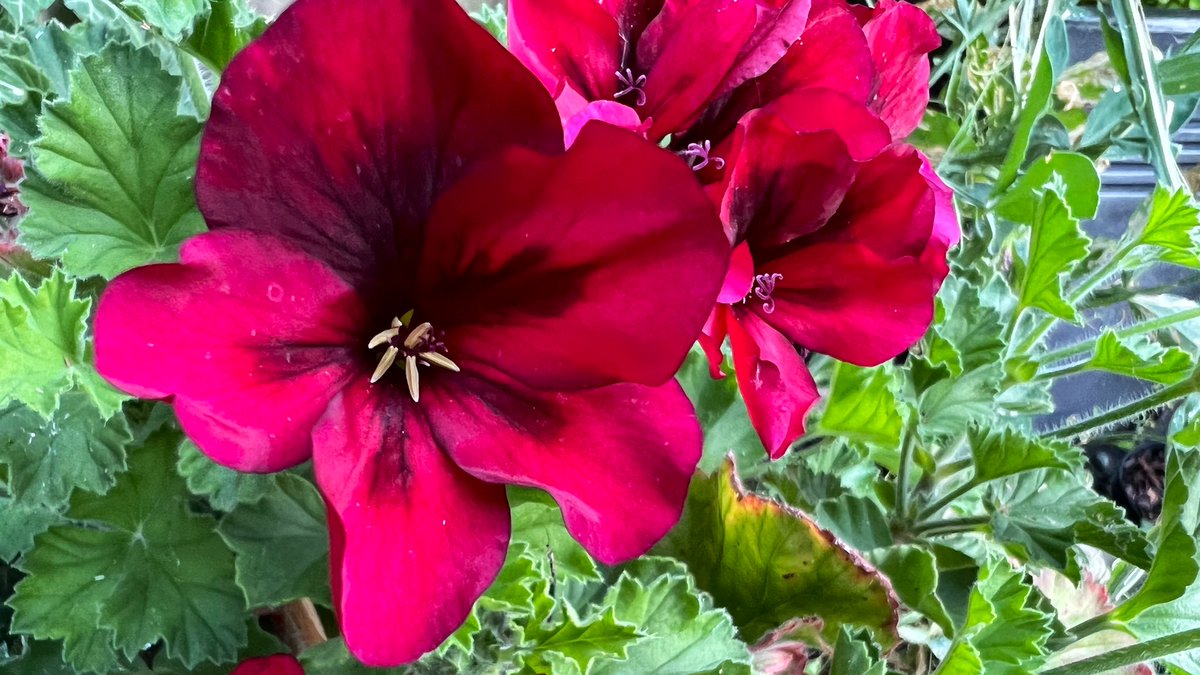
(1133, 654)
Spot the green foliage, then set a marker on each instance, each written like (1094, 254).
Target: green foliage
(43, 350)
(914, 576)
(856, 655)
(721, 412)
(224, 488)
(280, 543)
(1081, 187)
(768, 563)
(1055, 246)
(1140, 358)
(861, 406)
(113, 186)
(133, 567)
(1168, 226)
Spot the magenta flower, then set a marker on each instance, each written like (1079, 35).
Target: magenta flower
(791, 115)
(280, 664)
(410, 282)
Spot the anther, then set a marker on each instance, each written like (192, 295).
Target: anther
(632, 85)
(702, 152)
(764, 286)
(421, 347)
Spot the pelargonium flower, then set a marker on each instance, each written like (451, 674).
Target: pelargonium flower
(408, 280)
(840, 232)
(280, 664)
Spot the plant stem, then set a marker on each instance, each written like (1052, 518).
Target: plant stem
(906, 452)
(949, 526)
(1145, 90)
(1047, 375)
(1140, 328)
(940, 505)
(302, 627)
(1139, 653)
(1150, 402)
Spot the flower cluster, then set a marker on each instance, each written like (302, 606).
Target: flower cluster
(792, 115)
(12, 172)
(410, 281)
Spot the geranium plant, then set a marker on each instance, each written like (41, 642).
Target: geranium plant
(563, 336)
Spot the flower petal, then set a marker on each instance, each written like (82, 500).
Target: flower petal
(831, 54)
(740, 278)
(574, 271)
(249, 335)
(901, 37)
(843, 300)
(562, 41)
(280, 664)
(610, 112)
(773, 379)
(810, 110)
(414, 540)
(778, 25)
(891, 207)
(339, 126)
(685, 53)
(617, 459)
(712, 338)
(946, 230)
(785, 185)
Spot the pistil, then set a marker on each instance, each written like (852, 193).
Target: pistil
(764, 286)
(420, 347)
(632, 85)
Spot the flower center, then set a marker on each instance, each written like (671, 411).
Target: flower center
(700, 151)
(418, 346)
(764, 286)
(632, 85)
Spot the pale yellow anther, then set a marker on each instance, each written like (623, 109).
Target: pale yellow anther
(383, 337)
(414, 338)
(396, 322)
(413, 377)
(389, 357)
(437, 359)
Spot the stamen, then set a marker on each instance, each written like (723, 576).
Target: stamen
(701, 151)
(764, 286)
(413, 377)
(389, 357)
(422, 346)
(632, 85)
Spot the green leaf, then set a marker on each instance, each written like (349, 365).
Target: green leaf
(1040, 514)
(970, 329)
(579, 641)
(861, 406)
(224, 32)
(134, 568)
(224, 488)
(1180, 74)
(1080, 182)
(952, 404)
(25, 11)
(914, 576)
(173, 18)
(19, 524)
(767, 563)
(858, 521)
(1005, 632)
(1036, 104)
(1175, 567)
(281, 544)
(1169, 225)
(721, 411)
(536, 521)
(684, 632)
(43, 351)
(113, 188)
(997, 453)
(856, 655)
(77, 448)
(1055, 246)
(1140, 358)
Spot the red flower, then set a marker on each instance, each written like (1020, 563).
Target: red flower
(840, 233)
(280, 664)
(394, 219)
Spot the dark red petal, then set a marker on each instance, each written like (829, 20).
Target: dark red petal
(414, 541)
(567, 40)
(712, 338)
(610, 112)
(831, 54)
(773, 379)
(901, 37)
(946, 230)
(810, 110)
(340, 125)
(686, 52)
(740, 277)
(891, 208)
(778, 25)
(585, 269)
(785, 185)
(617, 459)
(280, 664)
(250, 336)
(843, 300)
